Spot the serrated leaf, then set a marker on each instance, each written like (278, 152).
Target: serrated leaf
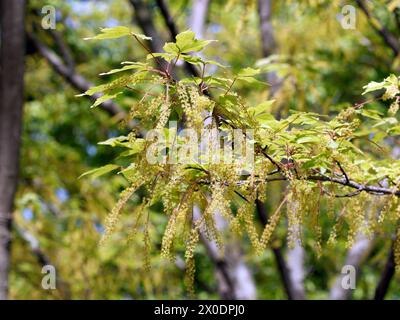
(373, 114)
(104, 98)
(118, 83)
(248, 72)
(248, 75)
(186, 42)
(113, 142)
(308, 139)
(373, 86)
(95, 173)
(115, 33)
(93, 90)
(124, 68)
(264, 107)
(166, 56)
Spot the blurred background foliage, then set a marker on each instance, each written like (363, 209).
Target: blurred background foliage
(60, 218)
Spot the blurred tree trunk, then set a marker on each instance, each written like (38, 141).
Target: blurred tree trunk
(355, 257)
(11, 102)
(268, 42)
(295, 254)
(199, 17)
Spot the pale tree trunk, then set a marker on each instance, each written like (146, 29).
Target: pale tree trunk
(355, 256)
(11, 102)
(358, 253)
(233, 276)
(295, 255)
(199, 16)
(268, 42)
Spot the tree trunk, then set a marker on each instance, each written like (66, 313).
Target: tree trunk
(268, 42)
(295, 255)
(11, 102)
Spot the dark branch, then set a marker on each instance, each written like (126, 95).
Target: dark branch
(73, 78)
(390, 39)
(173, 31)
(344, 172)
(386, 277)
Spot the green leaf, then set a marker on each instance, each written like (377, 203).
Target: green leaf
(264, 107)
(93, 90)
(248, 75)
(196, 60)
(373, 114)
(308, 139)
(171, 48)
(373, 86)
(114, 142)
(116, 32)
(103, 98)
(248, 72)
(95, 173)
(166, 56)
(118, 83)
(124, 68)
(186, 42)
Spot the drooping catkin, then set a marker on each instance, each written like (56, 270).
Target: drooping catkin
(138, 213)
(113, 217)
(193, 105)
(245, 213)
(271, 226)
(396, 249)
(169, 235)
(147, 245)
(355, 218)
(177, 216)
(189, 255)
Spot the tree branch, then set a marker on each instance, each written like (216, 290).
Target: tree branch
(144, 19)
(386, 277)
(73, 78)
(42, 259)
(64, 49)
(390, 39)
(173, 31)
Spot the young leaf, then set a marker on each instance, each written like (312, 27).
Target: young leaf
(124, 68)
(113, 142)
(103, 98)
(264, 107)
(116, 32)
(95, 173)
(186, 42)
